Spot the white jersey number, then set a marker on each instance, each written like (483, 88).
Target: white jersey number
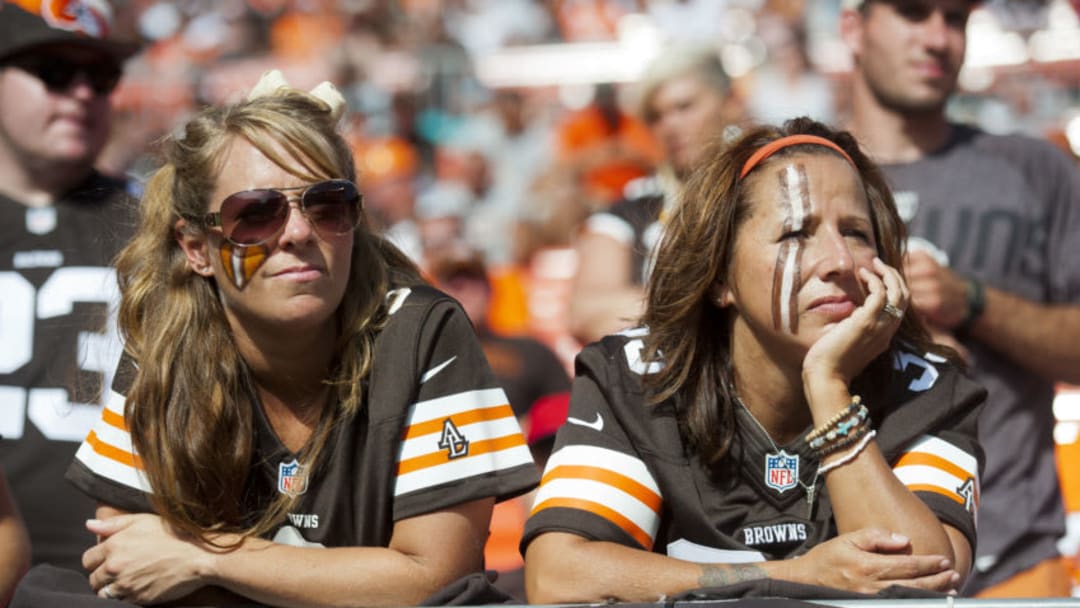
(50, 409)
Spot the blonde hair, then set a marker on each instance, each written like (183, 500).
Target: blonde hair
(189, 408)
(677, 61)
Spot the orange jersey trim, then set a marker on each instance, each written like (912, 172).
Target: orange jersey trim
(607, 513)
(476, 448)
(112, 452)
(469, 417)
(607, 477)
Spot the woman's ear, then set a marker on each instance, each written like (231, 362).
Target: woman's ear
(195, 248)
(720, 294)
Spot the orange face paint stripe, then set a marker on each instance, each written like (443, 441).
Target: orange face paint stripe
(112, 452)
(607, 513)
(476, 448)
(468, 417)
(611, 478)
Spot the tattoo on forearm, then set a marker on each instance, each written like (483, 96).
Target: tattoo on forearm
(718, 575)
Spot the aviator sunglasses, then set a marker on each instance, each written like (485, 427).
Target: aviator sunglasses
(252, 217)
(59, 73)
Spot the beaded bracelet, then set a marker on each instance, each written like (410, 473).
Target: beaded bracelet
(844, 442)
(856, 401)
(825, 468)
(840, 428)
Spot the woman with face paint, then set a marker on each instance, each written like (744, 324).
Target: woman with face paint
(777, 402)
(298, 418)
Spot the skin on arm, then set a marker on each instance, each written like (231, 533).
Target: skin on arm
(567, 568)
(864, 492)
(603, 300)
(14, 544)
(145, 562)
(1044, 338)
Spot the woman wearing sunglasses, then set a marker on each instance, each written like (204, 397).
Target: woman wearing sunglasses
(298, 419)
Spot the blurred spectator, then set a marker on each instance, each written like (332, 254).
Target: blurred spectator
(526, 369)
(607, 146)
(687, 102)
(998, 223)
(386, 170)
(788, 86)
(61, 223)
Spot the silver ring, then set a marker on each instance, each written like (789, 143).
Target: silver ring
(107, 592)
(892, 310)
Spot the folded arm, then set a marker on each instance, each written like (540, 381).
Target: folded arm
(143, 561)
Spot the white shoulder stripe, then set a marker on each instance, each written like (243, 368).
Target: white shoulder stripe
(478, 431)
(913, 475)
(616, 462)
(943, 449)
(462, 468)
(457, 403)
(626, 505)
(111, 469)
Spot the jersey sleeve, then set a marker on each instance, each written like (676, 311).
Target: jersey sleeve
(460, 438)
(940, 462)
(106, 466)
(595, 484)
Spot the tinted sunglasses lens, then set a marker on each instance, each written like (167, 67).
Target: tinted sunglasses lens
(253, 216)
(333, 206)
(58, 74)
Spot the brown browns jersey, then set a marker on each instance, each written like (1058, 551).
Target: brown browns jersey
(621, 471)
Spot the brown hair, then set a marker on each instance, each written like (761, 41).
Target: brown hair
(687, 330)
(189, 406)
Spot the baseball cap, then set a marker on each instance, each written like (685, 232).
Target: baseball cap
(26, 24)
(857, 4)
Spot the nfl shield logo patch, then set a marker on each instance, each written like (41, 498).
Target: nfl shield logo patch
(781, 471)
(292, 478)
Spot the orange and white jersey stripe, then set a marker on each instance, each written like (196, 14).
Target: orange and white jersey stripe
(932, 464)
(458, 436)
(610, 484)
(107, 450)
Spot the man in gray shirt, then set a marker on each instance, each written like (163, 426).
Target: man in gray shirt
(994, 221)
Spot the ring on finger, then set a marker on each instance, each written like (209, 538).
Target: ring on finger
(893, 310)
(108, 592)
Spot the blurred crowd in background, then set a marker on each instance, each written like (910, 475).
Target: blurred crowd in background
(503, 123)
(486, 131)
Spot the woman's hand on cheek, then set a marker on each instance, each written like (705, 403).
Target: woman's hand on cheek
(846, 348)
(139, 559)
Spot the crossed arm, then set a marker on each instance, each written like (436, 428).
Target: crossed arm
(1044, 338)
(142, 560)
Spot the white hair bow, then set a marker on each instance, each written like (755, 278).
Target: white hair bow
(272, 82)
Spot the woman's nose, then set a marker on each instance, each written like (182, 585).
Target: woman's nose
(297, 226)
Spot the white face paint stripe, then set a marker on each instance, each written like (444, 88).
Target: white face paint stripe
(238, 267)
(795, 197)
(787, 284)
(793, 181)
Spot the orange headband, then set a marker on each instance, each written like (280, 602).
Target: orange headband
(791, 140)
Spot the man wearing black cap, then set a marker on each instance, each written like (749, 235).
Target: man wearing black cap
(995, 222)
(60, 225)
